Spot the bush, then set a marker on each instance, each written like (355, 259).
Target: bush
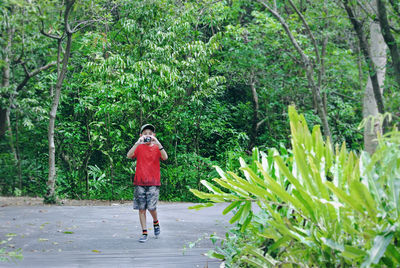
(320, 206)
(188, 171)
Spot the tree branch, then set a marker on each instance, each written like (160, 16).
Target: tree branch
(261, 122)
(42, 28)
(314, 42)
(344, 96)
(68, 9)
(304, 57)
(32, 74)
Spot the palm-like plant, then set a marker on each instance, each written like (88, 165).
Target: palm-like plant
(321, 205)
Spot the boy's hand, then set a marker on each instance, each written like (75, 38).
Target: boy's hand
(140, 141)
(155, 141)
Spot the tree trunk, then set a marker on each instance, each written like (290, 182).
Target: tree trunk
(51, 182)
(18, 154)
(319, 101)
(254, 121)
(358, 28)
(389, 38)
(370, 107)
(11, 142)
(3, 118)
(50, 196)
(6, 77)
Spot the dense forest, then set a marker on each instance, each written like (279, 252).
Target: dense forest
(216, 78)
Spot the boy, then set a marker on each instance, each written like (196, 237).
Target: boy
(147, 151)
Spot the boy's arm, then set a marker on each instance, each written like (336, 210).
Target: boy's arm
(164, 155)
(132, 150)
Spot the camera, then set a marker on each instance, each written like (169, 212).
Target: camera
(147, 139)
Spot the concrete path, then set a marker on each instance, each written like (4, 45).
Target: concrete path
(107, 236)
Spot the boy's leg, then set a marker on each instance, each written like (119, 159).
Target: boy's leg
(156, 224)
(142, 218)
(152, 200)
(154, 214)
(140, 204)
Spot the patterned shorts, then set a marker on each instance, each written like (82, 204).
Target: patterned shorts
(145, 197)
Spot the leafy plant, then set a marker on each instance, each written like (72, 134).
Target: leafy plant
(322, 206)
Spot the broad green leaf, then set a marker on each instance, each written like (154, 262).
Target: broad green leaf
(253, 262)
(393, 252)
(315, 172)
(344, 197)
(329, 155)
(309, 207)
(318, 143)
(230, 207)
(252, 176)
(304, 168)
(281, 192)
(351, 252)
(200, 206)
(342, 157)
(361, 196)
(235, 189)
(213, 197)
(211, 187)
(247, 221)
(264, 258)
(256, 158)
(237, 215)
(278, 243)
(378, 249)
(285, 170)
(251, 188)
(246, 211)
(220, 172)
(213, 254)
(244, 165)
(332, 244)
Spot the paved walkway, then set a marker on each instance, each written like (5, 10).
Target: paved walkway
(107, 236)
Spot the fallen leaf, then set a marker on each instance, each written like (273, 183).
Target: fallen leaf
(11, 234)
(42, 226)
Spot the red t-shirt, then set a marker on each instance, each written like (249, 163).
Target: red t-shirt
(147, 166)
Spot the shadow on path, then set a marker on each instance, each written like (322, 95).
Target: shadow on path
(107, 236)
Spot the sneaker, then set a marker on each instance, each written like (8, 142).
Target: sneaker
(157, 230)
(143, 238)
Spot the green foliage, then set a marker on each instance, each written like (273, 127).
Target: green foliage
(184, 66)
(187, 173)
(319, 205)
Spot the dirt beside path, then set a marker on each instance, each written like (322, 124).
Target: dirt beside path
(38, 201)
